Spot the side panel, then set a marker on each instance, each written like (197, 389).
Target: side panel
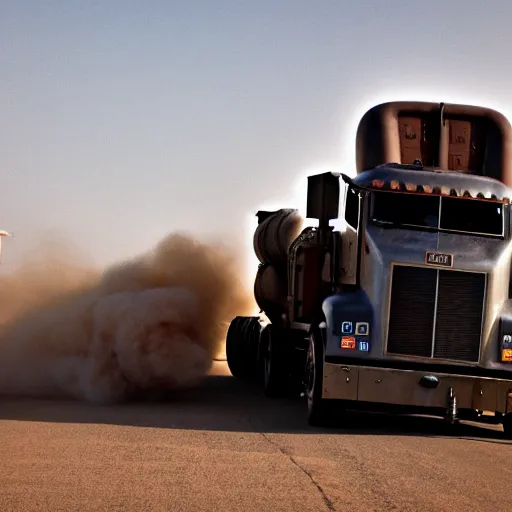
(350, 237)
(348, 256)
(402, 387)
(340, 382)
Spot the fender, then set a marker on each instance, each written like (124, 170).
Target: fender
(348, 315)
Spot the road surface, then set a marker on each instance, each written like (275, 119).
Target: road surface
(224, 448)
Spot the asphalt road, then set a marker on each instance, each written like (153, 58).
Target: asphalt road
(226, 448)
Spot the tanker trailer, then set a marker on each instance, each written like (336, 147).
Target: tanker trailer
(274, 234)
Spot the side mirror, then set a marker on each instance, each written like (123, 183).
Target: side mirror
(323, 197)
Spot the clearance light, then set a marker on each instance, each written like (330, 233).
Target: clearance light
(398, 186)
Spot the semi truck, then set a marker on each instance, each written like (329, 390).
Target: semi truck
(398, 295)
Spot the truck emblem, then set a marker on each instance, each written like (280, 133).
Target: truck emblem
(439, 258)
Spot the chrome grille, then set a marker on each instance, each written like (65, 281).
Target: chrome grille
(436, 313)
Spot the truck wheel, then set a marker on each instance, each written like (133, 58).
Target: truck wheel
(242, 347)
(235, 349)
(507, 425)
(318, 410)
(274, 362)
(251, 339)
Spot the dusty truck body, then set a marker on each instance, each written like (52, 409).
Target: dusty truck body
(400, 297)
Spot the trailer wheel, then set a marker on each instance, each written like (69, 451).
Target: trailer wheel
(234, 349)
(242, 346)
(252, 345)
(318, 408)
(274, 362)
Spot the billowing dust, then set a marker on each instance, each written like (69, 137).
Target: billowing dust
(149, 325)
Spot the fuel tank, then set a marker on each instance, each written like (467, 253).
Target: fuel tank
(275, 233)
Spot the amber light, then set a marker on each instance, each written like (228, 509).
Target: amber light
(506, 355)
(348, 342)
(397, 186)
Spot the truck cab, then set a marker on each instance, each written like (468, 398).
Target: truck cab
(401, 297)
(419, 309)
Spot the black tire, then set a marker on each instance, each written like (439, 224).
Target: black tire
(251, 336)
(507, 425)
(318, 408)
(234, 349)
(242, 347)
(275, 368)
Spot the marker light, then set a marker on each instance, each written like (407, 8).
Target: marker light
(348, 342)
(506, 355)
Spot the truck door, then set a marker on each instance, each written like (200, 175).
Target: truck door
(349, 240)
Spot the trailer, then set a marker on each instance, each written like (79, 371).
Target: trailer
(400, 298)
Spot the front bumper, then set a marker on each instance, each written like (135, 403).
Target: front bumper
(402, 387)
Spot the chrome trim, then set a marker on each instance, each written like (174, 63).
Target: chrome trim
(432, 359)
(434, 325)
(484, 315)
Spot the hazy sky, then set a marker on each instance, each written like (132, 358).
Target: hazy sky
(121, 121)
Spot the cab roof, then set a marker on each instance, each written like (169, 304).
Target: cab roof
(463, 138)
(416, 179)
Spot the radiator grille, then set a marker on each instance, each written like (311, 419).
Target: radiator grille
(413, 298)
(456, 316)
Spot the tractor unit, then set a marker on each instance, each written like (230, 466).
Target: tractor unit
(399, 298)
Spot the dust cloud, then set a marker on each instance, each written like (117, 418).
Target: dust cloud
(144, 327)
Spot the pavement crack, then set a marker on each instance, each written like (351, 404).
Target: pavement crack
(328, 502)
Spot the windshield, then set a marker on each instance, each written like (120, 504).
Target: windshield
(438, 213)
